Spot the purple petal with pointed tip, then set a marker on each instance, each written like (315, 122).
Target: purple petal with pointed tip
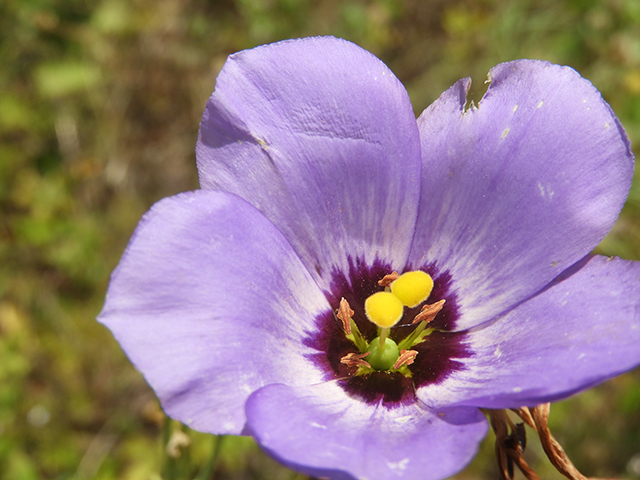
(520, 188)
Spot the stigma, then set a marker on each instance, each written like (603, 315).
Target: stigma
(384, 309)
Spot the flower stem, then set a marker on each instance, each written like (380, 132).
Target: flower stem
(168, 466)
(208, 469)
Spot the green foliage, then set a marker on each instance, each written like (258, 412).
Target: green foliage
(99, 112)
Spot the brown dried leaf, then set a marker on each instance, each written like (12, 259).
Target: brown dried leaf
(552, 448)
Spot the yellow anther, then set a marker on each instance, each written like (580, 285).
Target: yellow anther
(412, 288)
(384, 309)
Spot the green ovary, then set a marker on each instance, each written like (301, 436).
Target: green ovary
(382, 360)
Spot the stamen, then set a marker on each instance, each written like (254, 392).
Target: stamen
(429, 312)
(406, 357)
(351, 330)
(355, 360)
(427, 315)
(388, 279)
(344, 315)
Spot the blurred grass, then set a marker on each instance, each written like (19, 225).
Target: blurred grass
(99, 113)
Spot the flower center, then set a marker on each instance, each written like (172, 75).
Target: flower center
(385, 309)
(347, 342)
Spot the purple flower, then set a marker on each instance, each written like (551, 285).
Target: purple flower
(317, 181)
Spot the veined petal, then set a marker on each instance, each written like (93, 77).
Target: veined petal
(579, 332)
(520, 188)
(320, 136)
(321, 431)
(210, 303)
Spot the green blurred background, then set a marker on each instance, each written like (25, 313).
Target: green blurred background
(99, 109)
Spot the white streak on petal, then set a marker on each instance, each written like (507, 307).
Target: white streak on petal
(398, 466)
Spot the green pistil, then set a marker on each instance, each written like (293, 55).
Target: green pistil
(385, 358)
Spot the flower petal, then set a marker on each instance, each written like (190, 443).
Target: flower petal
(210, 303)
(520, 188)
(574, 335)
(320, 136)
(321, 431)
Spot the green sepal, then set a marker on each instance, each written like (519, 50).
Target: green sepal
(404, 370)
(362, 370)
